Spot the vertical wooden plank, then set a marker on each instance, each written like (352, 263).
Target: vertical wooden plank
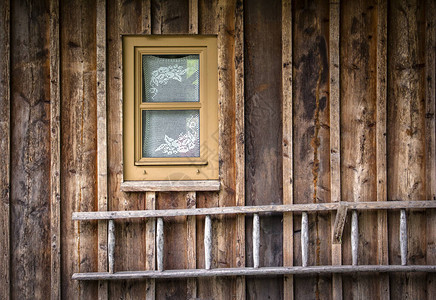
(311, 137)
(124, 17)
(403, 237)
(5, 123)
(406, 138)
(381, 100)
(335, 135)
(193, 16)
(430, 48)
(55, 151)
(30, 188)
(358, 105)
(150, 245)
(287, 155)
(304, 239)
(240, 144)
(226, 226)
(354, 238)
(191, 197)
(102, 147)
(78, 144)
(191, 230)
(263, 137)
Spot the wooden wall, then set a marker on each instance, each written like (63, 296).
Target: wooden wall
(319, 101)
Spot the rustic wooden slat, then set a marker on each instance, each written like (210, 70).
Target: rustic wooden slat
(256, 240)
(5, 123)
(240, 144)
(391, 205)
(304, 239)
(338, 226)
(381, 100)
(55, 150)
(265, 271)
(403, 237)
(191, 223)
(160, 245)
(102, 183)
(207, 243)
(150, 244)
(170, 186)
(335, 135)
(406, 137)
(146, 16)
(193, 16)
(430, 49)
(287, 155)
(111, 246)
(28, 132)
(354, 238)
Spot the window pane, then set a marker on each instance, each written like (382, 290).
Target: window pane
(171, 78)
(170, 133)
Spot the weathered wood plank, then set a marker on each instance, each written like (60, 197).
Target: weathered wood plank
(335, 136)
(160, 244)
(240, 144)
(311, 137)
(29, 238)
(313, 207)
(406, 137)
(5, 125)
(191, 229)
(403, 237)
(102, 183)
(123, 17)
(170, 186)
(193, 16)
(55, 151)
(207, 243)
(381, 100)
(256, 240)
(358, 68)
(78, 143)
(265, 271)
(110, 247)
(354, 238)
(430, 48)
(287, 153)
(263, 136)
(150, 245)
(304, 239)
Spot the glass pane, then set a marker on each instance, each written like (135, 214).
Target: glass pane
(171, 78)
(170, 133)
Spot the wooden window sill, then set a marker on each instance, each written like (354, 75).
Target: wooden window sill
(170, 186)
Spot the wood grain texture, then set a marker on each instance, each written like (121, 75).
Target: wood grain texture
(311, 138)
(102, 166)
(30, 190)
(55, 152)
(5, 125)
(430, 102)
(259, 272)
(240, 144)
(263, 136)
(150, 245)
(287, 153)
(123, 17)
(170, 186)
(358, 68)
(335, 136)
(406, 137)
(381, 163)
(78, 143)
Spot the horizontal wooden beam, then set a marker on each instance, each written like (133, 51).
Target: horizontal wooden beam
(266, 271)
(314, 207)
(170, 186)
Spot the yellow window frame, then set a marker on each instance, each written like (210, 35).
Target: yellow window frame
(136, 167)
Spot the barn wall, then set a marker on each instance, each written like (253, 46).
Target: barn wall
(357, 78)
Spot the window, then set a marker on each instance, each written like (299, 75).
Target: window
(170, 112)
